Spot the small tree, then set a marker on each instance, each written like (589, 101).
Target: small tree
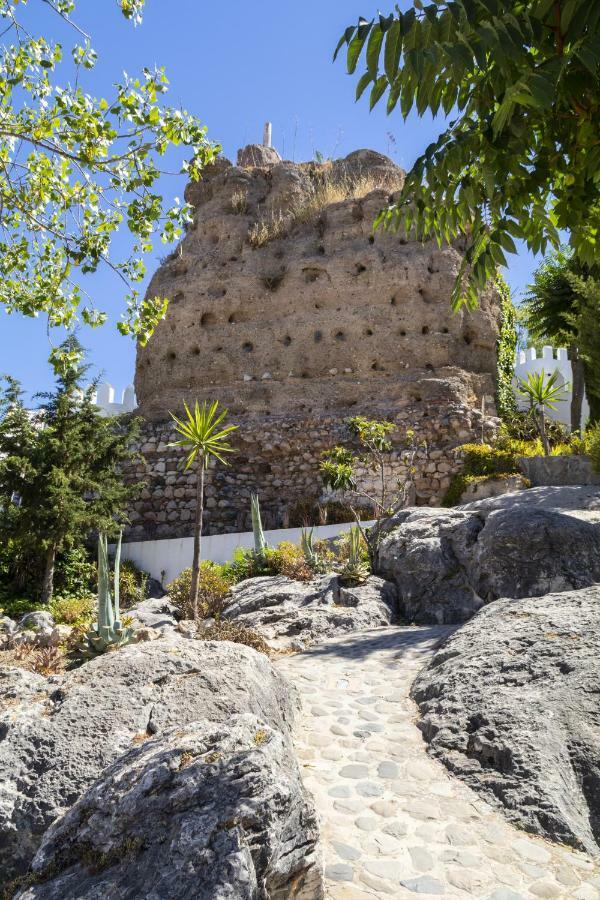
(204, 439)
(339, 472)
(60, 474)
(543, 393)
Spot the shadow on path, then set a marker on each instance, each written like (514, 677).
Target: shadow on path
(401, 639)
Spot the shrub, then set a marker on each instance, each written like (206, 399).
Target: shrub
(239, 203)
(288, 559)
(133, 584)
(214, 584)
(230, 631)
(15, 607)
(592, 444)
(42, 661)
(75, 573)
(73, 610)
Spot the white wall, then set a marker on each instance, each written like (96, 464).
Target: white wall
(550, 361)
(165, 559)
(104, 399)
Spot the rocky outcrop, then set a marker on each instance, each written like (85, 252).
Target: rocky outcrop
(57, 735)
(210, 810)
(297, 614)
(510, 704)
(447, 564)
(289, 309)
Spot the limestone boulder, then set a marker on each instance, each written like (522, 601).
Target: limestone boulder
(298, 614)
(158, 613)
(448, 563)
(209, 810)
(510, 705)
(57, 735)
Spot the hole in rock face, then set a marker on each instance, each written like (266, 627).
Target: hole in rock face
(368, 332)
(177, 298)
(321, 250)
(425, 329)
(171, 355)
(393, 302)
(340, 336)
(216, 292)
(444, 331)
(429, 367)
(312, 274)
(304, 375)
(218, 350)
(287, 340)
(196, 351)
(376, 367)
(318, 337)
(468, 338)
(402, 333)
(248, 347)
(371, 238)
(359, 268)
(318, 305)
(208, 320)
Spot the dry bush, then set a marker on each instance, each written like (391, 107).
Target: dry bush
(288, 559)
(230, 631)
(41, 660)
(239, 203)
(214, 586)
(266, 230)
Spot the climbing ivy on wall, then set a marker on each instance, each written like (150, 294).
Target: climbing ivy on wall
(507, 346)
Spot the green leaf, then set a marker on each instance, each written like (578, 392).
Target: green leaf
(373, 51)
(377, 91)
(393, 49)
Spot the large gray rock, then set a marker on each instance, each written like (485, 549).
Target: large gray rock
(295, 613)
(58, 734)
(157, 612)
(511, 704)
(209, 811)
(448, 563)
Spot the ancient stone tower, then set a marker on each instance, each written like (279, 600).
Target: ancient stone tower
(289, 309)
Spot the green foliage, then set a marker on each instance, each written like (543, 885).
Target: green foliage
(214, 585)
(109, 632)
(506, 350)
(60, 477)
(542, 392)
(339, 468)
(592, 441)
(520, 159)
(77, 610)
(522, 426)
(75, 574)
(311, 551)
(260, 543)
(78, 169)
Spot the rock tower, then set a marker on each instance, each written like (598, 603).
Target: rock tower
(288, 308)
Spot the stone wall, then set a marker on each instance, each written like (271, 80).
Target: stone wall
(287, 308)
(279, 459)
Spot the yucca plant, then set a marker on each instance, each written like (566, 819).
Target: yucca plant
(542, 392)
(260, 542)
(109, 631)
(356, 569)
(205, 437)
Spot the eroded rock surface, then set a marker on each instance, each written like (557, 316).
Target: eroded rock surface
(57, 735)
(511, 704)
(448, 563)
(209, 810)
(298, 614)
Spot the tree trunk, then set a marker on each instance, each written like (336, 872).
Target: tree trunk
(542, 430)
(578, 386)
(48, 582)
(197, 539)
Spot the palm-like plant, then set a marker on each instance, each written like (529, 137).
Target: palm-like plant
(205, 438)
(543, 392)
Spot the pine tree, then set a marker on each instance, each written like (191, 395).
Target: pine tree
(60, 478)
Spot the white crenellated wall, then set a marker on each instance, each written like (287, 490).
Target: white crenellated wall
(104, 399)
(549, 361)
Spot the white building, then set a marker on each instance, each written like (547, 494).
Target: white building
(104, 398)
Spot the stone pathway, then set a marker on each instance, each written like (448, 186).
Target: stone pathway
(394, 822)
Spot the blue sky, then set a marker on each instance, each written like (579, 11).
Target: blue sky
(234, 67)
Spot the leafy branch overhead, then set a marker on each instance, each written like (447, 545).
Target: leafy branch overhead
(520, 157)
(75, 169)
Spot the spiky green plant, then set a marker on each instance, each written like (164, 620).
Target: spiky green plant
(356, 569)
(260, 542)
(307, 542)
(109, 631)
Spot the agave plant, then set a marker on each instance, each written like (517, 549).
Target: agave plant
(307, 542)
(109, 631)
(356, 569)
(260, 542)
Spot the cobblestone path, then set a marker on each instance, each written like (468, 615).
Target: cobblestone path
(394, 822)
